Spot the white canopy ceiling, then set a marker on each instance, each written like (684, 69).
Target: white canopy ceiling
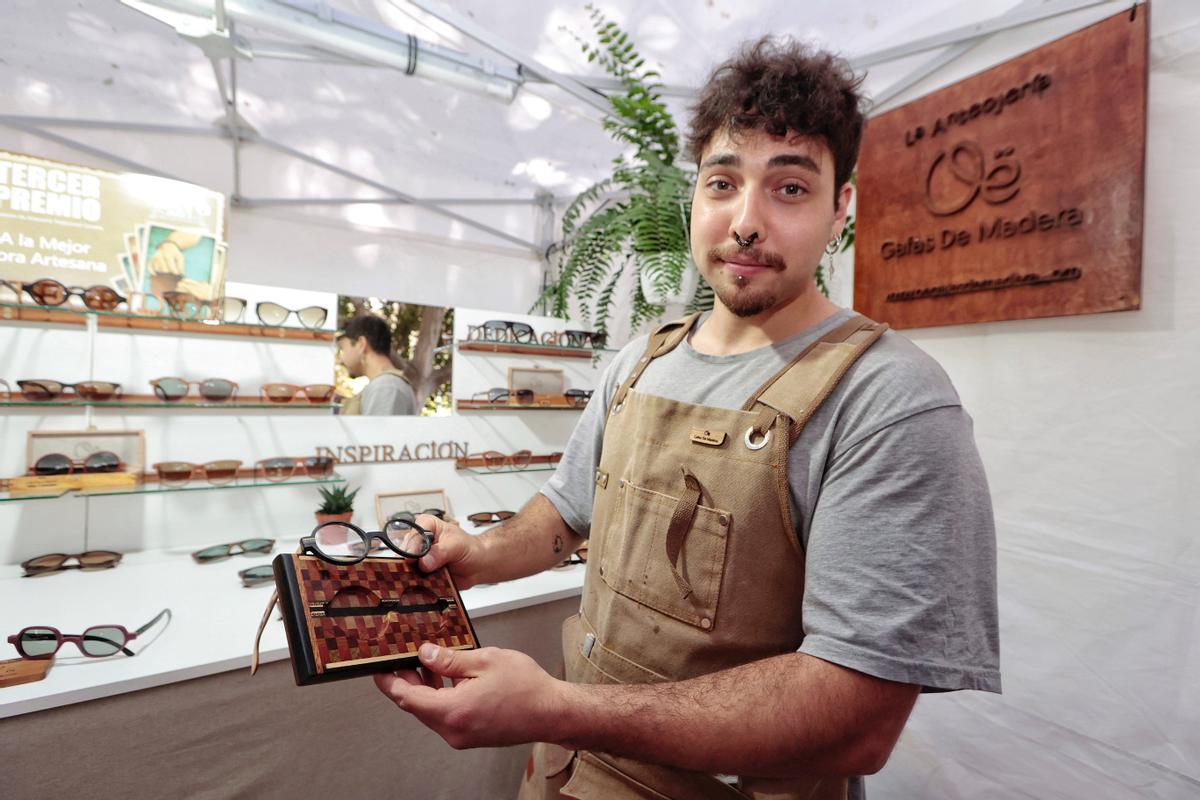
(101, 60)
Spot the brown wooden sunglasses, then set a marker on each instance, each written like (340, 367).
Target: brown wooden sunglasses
(288, 392)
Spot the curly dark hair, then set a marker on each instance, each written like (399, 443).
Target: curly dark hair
(782, 86)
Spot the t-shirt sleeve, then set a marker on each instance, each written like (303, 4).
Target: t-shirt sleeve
(388, 395)
(571, 489)
(900, 574)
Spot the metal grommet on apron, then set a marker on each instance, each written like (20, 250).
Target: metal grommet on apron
(761, 443)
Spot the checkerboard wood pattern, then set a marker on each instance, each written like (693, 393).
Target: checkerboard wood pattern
(343, 641)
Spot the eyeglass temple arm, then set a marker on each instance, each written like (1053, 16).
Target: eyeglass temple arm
(165, 612)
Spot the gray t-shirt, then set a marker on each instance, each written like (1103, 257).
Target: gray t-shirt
(388, 395)
(888, 491)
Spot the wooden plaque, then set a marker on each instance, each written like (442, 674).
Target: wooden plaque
(1015, 193)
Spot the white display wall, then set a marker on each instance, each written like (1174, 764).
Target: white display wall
(175, 523)
(214, 617)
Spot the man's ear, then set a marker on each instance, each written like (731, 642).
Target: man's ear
(842, 208)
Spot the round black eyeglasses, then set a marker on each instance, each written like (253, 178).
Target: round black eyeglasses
(346, 543)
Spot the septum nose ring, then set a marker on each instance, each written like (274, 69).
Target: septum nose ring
(745, 242)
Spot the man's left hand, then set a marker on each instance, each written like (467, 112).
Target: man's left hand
(497, 697)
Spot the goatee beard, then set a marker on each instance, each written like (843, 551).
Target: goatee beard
(745, 301)
(742, 299)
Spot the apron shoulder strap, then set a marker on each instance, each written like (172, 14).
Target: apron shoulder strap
(664, 339)
(799, 389)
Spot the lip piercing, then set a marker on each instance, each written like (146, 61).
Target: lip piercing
(745, 242)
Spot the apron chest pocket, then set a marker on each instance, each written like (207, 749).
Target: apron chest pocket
(637, 557)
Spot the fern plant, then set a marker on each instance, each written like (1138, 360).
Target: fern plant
(643, 225)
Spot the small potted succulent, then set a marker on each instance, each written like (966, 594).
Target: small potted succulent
(337, 504)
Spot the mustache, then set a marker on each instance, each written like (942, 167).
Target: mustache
(753, 253)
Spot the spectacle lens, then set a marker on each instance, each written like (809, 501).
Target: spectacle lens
(102, 461)
(52, 464)
(271, 313)
(170, 388)
(101, 298)
(47, 292)
(406, 537)
(340, 543)
(279, 392)
(277, 469)
(232, 309)
(221, 472)
(257, 575)
(318, 466)
(319, 392)
(98, 559)
(213, 553)
(97, 390)
(40, 390)
(217, 389)
(9, 293)
(174, 473)
(483, 517)
(38, 642)
(187, 305)
(45, 563)
(312, 317)
(102, 641)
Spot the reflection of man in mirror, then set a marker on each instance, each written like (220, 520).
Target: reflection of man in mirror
(364, 348)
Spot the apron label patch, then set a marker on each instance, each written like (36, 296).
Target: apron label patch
(711, 438)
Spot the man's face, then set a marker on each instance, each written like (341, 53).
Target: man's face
(779, 188)
(351, 355)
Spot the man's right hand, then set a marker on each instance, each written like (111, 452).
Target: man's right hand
(453, 547)
(533, 540)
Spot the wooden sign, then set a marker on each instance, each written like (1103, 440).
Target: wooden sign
(1015, 193)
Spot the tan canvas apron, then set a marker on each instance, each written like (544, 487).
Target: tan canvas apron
(352, 405)
(694, 564)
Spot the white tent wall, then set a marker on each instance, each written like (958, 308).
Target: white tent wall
(1088, 432)
(360, 250)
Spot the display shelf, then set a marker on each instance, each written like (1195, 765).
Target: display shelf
(28, 312)
(149, 486)
(150, 401)
(537, 463)
(546, 350)
(484, 405)
(508, 470)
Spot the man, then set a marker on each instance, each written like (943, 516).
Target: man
(364, 348)
(789, 527)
